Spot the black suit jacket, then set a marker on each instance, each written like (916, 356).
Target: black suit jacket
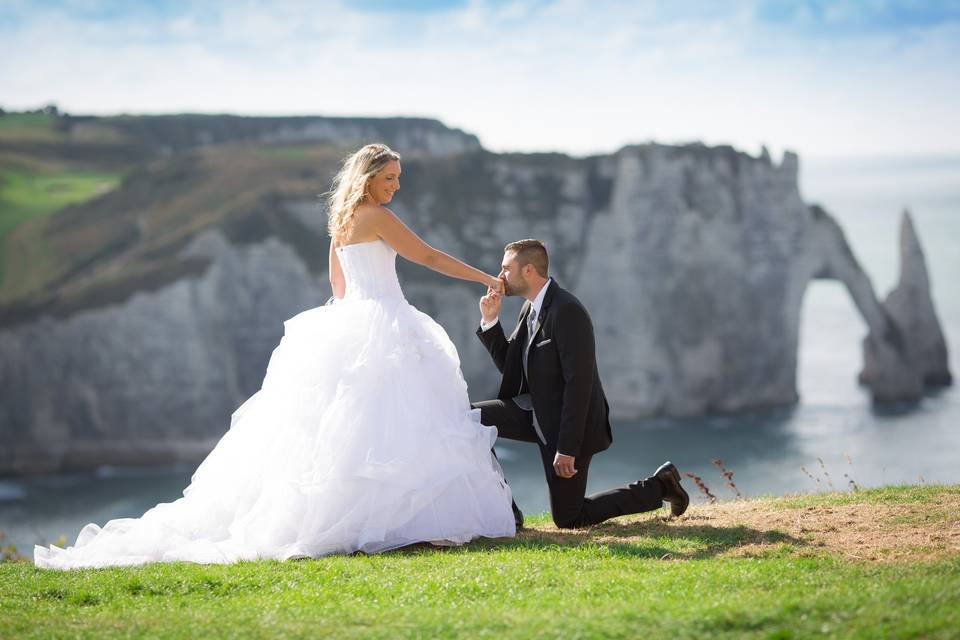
(564, 385)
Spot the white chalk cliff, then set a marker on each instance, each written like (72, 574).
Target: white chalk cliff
(693, 261)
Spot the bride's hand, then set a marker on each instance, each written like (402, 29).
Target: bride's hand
(495, 283)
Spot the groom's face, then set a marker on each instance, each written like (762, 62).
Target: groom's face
(514, 283)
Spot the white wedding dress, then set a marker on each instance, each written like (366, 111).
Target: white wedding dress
(360, 439)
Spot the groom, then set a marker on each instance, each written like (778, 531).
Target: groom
(551, 394)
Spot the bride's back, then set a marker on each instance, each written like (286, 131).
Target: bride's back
(361, 227)
(369, 268)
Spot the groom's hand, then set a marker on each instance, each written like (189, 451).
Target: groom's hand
(490, 305)
(563, 465)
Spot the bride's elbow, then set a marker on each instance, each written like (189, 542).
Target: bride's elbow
(430, 258)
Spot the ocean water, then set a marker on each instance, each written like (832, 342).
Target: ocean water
(833, 438)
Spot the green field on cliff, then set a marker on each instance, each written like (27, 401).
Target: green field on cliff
(26, 195)
(873, 563)
(80, 195)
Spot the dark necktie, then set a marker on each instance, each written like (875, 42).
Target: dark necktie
(531, 325)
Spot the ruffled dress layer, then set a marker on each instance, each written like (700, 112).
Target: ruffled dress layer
(361, 438)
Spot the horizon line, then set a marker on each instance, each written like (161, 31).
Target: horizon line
(781, 151)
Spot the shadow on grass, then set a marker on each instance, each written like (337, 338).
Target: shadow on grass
(654, 538)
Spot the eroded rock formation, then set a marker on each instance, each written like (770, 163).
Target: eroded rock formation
(907, 353)
(694, 261)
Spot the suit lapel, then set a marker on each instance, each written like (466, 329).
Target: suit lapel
(521, 321)
(536, 329)
(520, 342)
(544, 310)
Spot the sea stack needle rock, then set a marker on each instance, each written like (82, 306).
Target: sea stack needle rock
(133, 324)
(915, 358)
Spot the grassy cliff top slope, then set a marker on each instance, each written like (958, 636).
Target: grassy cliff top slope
(93, 209)
(875, 563)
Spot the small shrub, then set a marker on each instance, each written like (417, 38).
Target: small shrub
(8, 552)
(704, 489)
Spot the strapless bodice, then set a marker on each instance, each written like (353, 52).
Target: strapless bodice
(370, 270)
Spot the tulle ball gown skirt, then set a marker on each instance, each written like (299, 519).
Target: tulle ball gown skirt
(361, 438)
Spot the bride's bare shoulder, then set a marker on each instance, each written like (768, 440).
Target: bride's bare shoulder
(374, 216)
(367, 220)
(365, 211)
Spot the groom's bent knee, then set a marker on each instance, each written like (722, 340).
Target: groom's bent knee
(491, 411)
(563, 521)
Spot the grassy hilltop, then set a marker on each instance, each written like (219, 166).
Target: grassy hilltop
(876, 563)
(93, 209)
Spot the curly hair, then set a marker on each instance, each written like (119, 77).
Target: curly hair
(350, 184)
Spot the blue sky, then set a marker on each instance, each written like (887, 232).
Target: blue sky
(579, 76)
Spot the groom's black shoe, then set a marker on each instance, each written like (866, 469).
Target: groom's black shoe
(673, 493)
(517, 516)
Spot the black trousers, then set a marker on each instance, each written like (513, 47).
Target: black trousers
(569, 504)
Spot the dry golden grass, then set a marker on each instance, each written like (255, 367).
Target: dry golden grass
(859, 532)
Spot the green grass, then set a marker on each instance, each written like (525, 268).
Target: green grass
(29, 127)
(639, 578)
(27, 120)
(514, 591)
(899, 494)
(24, 195)
(29, 195)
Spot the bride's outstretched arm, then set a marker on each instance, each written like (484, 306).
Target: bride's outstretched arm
(337, 281)
(409, 245)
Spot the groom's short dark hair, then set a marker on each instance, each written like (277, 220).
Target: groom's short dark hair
(531, 252)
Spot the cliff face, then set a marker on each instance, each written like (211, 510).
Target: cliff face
(152, 379)
(692, 260)
(707, 239)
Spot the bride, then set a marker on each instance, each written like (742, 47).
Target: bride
(361, 437)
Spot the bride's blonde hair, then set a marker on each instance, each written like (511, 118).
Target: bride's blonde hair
(350, 184)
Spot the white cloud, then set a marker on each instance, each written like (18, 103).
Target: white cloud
(524, 75)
